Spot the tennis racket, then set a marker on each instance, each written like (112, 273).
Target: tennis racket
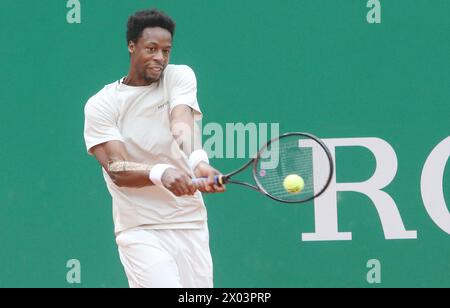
(300, 157)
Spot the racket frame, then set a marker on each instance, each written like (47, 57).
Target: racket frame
(225, 179)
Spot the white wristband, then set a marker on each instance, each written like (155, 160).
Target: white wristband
(197, 157)
(157, 172)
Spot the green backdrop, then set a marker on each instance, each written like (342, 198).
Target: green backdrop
(315, 66)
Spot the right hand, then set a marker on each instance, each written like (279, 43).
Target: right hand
(179, 183)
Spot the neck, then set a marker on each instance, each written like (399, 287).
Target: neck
(133, 79)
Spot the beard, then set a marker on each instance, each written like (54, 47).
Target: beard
(151, 77)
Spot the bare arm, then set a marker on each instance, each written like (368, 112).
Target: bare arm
(184, 129)
(115, 160)
(188, 136)
(114, 151)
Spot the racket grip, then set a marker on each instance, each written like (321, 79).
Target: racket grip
(217, 180)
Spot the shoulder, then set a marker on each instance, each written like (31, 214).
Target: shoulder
(174, 73)
(178, 69)
(101, 101)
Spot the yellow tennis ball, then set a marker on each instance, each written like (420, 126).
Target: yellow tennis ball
(294, 184)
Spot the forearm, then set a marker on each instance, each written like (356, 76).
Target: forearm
(129, 174)
(189, 139)
(185, 130)
(131, 179)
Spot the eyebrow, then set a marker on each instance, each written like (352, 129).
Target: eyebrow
(156, 43)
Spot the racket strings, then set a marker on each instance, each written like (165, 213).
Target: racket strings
(300, 165)
(293, 159)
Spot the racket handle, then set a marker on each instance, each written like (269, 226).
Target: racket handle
(217, 180)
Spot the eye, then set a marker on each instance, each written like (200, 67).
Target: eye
(151, 49)
(166, 52)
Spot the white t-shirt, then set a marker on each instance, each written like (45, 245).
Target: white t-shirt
(139, 117)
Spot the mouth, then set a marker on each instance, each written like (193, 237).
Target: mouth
(156, 69)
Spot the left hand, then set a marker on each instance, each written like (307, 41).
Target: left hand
(204, 170)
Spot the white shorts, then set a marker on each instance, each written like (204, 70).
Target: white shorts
(166, 258)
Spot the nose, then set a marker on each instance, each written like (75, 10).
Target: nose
(159, 55)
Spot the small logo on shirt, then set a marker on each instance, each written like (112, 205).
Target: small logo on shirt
(161, 106)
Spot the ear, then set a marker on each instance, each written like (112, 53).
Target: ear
(131, 47)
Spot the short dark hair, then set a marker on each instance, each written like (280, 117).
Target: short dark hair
(148, 19)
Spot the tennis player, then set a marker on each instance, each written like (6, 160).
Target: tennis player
(142, 130)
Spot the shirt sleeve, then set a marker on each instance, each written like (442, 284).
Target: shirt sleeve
(100, 124)
(182, 89)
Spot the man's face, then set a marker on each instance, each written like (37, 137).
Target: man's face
(150, 55)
